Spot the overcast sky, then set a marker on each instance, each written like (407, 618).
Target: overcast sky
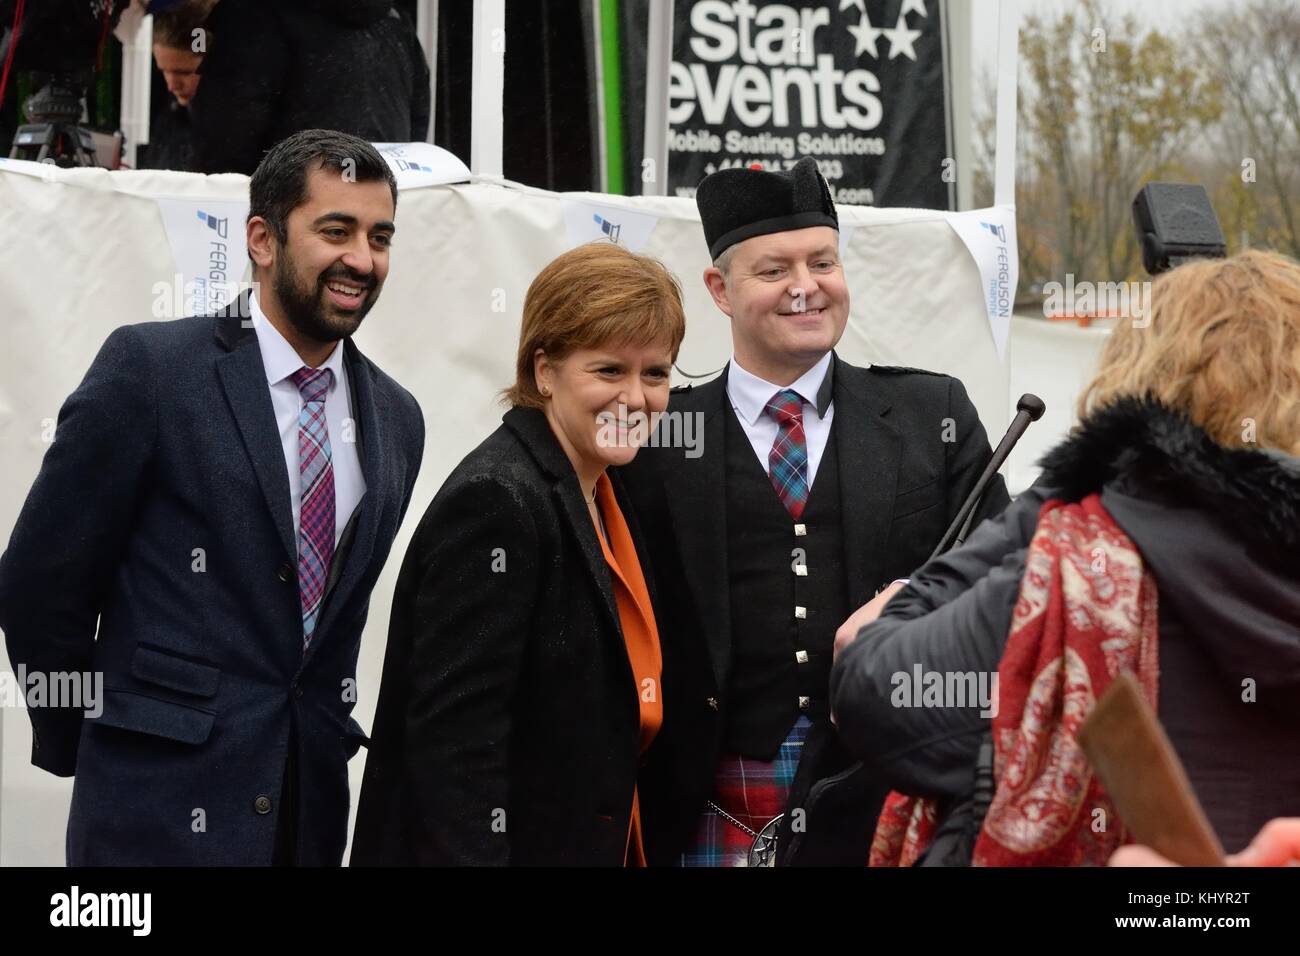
(1164, 14)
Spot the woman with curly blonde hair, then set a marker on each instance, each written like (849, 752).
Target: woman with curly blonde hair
(1162, 539)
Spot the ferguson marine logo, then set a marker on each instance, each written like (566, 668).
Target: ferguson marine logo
(405, 165)
(219, 226)
(999, 290)
(212, 290)
(611, 229)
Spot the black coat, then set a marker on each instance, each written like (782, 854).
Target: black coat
(168, 452)
(508, 728)
(901, 485)
(170, 137)
(277, 68)
(1220, 531)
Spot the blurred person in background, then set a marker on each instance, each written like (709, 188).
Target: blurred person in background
(355, 66)
(1161, 538)
(181, 40)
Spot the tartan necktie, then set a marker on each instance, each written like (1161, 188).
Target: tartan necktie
(787, 462)
(316, 519)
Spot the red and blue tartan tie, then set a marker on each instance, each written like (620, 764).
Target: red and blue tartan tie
(787, 462)
(316, 522)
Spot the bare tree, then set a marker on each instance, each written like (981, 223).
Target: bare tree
(1107, 107)
(1253, 53)
(1104, 106)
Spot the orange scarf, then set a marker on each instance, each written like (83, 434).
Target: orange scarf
(637, 620)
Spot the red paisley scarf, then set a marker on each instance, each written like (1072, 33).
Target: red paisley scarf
(1086, 612)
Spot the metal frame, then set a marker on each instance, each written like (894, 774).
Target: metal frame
(659, 58)
(426, 29)
(487, 90)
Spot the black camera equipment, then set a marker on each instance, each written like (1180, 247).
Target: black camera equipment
(61, 42)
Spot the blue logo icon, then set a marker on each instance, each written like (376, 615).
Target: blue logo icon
(999, 230)
(611, 229)
(219, 226)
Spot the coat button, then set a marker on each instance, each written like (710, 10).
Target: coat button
(801, 657)
(285, 573)
(800, 530)
(713, 703)
(804, 702)
(800, 613)
(262, 804)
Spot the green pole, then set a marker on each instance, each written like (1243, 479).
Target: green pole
(613, 96)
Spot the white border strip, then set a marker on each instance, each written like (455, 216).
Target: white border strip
(1004, 181)
(489, 75)
(658, 61)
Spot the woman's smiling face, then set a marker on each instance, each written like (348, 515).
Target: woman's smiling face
(602, 402)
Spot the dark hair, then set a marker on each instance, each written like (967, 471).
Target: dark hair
(279, 184)
(174, 27)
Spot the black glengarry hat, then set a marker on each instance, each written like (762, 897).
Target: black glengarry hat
(739, 203)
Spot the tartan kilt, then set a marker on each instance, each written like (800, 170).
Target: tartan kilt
(752, 791)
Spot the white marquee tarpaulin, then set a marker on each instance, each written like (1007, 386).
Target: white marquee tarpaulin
(84, 251)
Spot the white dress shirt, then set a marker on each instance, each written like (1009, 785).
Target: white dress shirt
(749, 396)
(281, 361)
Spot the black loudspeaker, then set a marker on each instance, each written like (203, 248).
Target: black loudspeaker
(1175, 222)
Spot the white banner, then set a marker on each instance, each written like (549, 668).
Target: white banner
(422, 164)
(846, 236)
(588, 221)
(210, 253)
(28, 167)
(990, 237)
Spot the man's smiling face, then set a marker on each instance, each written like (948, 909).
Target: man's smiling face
(787, 298)
(329, 272)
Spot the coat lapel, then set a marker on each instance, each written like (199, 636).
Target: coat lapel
(243, 378)
(696, 489)
(531, 427)
(568, 494)
(869, 450)
(349, 534)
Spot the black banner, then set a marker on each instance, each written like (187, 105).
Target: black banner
(857, 84)
(237, 906)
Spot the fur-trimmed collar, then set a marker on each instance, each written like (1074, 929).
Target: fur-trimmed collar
(1150, 450)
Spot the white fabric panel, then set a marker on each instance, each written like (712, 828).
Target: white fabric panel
(81, 250)
(1055, 361)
